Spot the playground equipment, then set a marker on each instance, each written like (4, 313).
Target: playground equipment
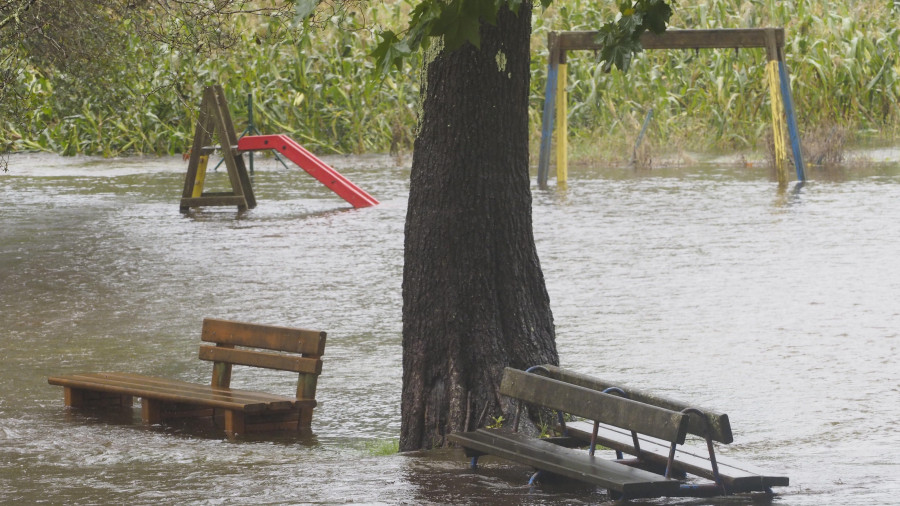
(772, 39)
(215, 120)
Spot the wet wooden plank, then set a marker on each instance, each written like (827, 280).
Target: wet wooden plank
(213, 201)
(738, 477)
(634, 483)
(153, 382)
(270, 337)
(719, 423)
(294, 363)
(594, 405)
(179, 391)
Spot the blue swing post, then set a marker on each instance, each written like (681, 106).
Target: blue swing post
(549, 109)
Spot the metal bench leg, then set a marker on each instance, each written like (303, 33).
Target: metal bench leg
(709, 446)
(474, 463)
(671, 458)
(637, 448)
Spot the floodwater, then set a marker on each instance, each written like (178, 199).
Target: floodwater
(708, 284)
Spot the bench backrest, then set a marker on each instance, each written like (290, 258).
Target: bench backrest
(717, 423)
(594, 405)
(296, 350)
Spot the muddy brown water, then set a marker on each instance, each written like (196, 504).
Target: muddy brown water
(706, 283)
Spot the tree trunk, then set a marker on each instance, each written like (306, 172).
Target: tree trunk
(474, 298)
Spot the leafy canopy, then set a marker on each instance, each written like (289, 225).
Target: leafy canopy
(620, 40)
(458, 22)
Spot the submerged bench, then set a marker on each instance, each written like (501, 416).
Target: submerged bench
(649, 427)
(732, 476)
(242, 411)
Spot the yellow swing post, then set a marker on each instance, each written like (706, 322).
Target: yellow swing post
(777, 105)
(562, 123)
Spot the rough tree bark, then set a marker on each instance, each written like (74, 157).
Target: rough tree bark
(474, 298)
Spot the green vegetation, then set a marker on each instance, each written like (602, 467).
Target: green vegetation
(315, 86)
(842, 57)
(319, 87)
(382, 447)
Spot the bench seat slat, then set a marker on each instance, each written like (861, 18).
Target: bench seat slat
(634, 483)
(269, 337)
(262, 359)
(719, 424)
(738, 477)
(232, 392)
(179, 391)
(153, 382)
(594, 405)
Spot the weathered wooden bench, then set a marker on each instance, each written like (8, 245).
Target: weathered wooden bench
(242, 411)
(651, 428)
(732, 476)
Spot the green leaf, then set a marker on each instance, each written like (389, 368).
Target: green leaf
(619, 54)
(656, 14)
(460, 22)
(304, 8)
(457, 21)
(631, 23)
(620, 40)
(390, 52)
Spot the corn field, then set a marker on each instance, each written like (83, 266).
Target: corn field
(318, 85)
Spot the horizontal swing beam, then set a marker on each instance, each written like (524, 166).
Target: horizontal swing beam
(680, 39)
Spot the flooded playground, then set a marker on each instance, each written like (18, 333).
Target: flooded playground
(707, 283)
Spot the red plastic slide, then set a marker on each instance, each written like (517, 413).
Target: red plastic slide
(308, 162)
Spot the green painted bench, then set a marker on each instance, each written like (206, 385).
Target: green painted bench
(651, 428)
(241, 411)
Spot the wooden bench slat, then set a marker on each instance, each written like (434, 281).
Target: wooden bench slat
(137, 380)
(178, 391)
(263, 359)
(738, 477)
(253, 395)
(634, 483)
(157, 391)
(213, 200)
(594, 405)
(270, 337)
(719, 424)
(147, 392)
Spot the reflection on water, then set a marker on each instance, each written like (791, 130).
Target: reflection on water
(705, 284)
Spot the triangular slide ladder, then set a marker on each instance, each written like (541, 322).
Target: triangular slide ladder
(216, 120)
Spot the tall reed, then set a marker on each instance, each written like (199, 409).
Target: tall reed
(318, 85)
(842, 57)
